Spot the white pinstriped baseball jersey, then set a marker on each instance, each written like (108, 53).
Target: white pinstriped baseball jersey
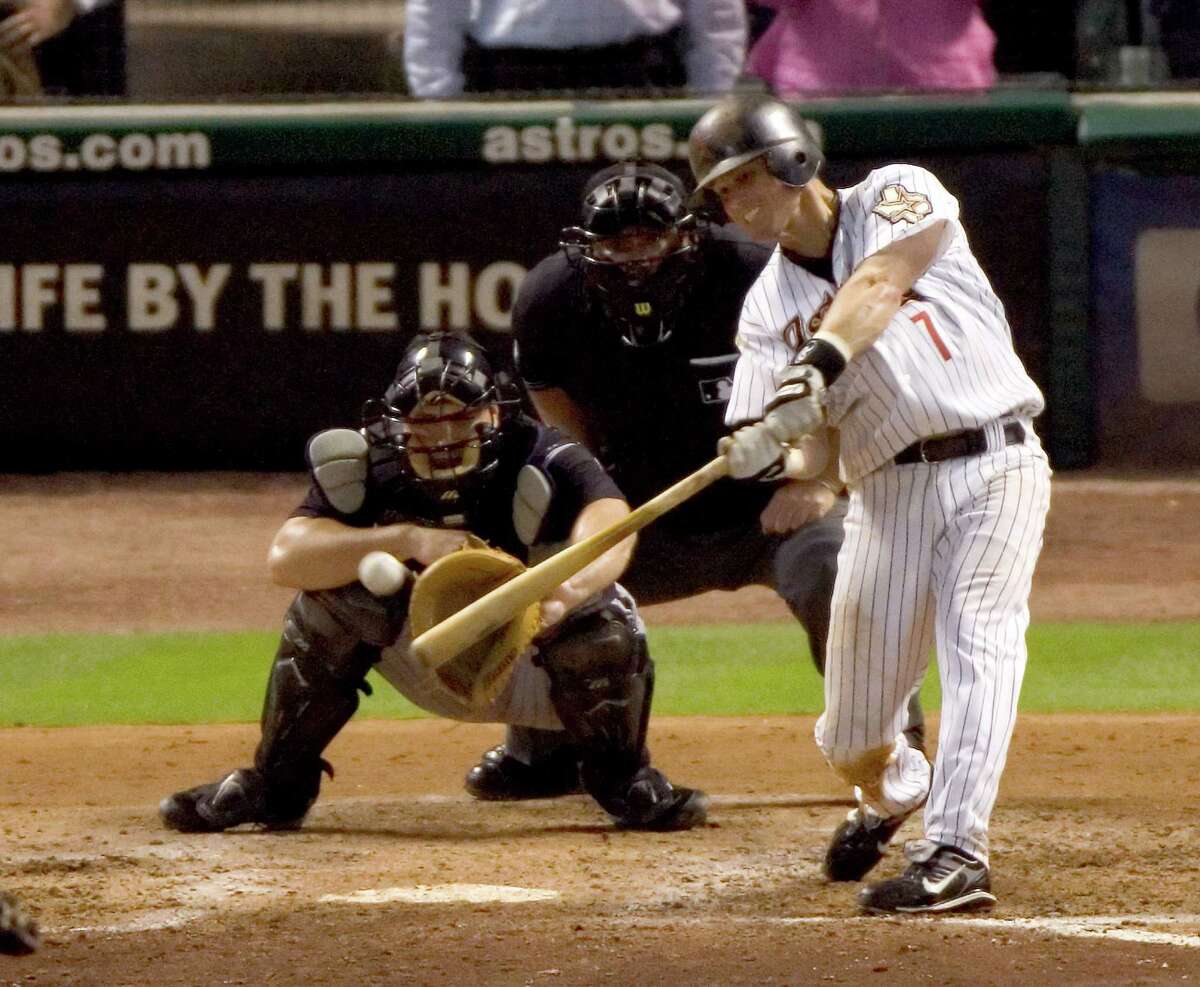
(944, 364)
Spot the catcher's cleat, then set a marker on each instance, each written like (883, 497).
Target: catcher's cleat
(500, 777)
(650, 802)
(859, 843)
(937, 879)
(18, 932)
(242, 796)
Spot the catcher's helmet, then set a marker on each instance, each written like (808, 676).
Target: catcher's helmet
(635, 245)
(741, 128)
(445, 412)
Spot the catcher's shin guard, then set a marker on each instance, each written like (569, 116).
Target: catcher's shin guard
(601, 683)
(330, 640)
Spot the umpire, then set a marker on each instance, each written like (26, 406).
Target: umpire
(625, 339)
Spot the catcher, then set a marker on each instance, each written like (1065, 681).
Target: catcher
(446, 458)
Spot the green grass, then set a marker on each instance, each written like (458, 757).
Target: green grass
(758, 669)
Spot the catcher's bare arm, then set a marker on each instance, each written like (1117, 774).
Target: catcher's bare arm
(593, 577)
(441, 643)
(321, 553)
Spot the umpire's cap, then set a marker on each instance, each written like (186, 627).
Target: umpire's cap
(741, 128)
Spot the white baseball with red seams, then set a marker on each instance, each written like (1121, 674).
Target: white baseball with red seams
(935, 553)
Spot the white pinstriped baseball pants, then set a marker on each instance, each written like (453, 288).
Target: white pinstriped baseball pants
(940, 554)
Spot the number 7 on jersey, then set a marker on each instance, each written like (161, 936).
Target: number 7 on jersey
(923, 319)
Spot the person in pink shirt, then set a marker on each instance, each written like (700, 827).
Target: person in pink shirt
(839, 46)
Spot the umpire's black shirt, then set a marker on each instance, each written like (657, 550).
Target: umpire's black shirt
(656, 411)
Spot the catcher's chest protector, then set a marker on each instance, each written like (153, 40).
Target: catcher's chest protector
(531, 503)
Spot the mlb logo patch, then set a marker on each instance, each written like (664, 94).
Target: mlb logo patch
(716, 390)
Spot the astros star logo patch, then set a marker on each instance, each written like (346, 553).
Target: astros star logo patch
(898, 205)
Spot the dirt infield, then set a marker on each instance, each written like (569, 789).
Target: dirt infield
(1096, 832)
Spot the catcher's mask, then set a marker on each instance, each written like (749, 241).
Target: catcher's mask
(636, 248)
(445, 413)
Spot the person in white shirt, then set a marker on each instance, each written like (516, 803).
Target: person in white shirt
(24, 26)
(456, 46)
(873, 323)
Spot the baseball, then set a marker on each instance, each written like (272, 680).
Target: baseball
(382, 573)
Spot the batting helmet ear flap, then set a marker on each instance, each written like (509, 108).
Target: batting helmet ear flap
(796, 162)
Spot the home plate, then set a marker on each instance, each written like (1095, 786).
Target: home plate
(442, 894)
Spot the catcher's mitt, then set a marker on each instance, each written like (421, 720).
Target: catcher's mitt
(479, 673)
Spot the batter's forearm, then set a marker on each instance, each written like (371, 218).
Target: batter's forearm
(860, 312)
(865, 304)
(808, 458)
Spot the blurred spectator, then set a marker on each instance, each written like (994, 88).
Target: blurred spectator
(457, 46)
(1118, 41)
(1179, 35)
(833, 46)
(24, 26)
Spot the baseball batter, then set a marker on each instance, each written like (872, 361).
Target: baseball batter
(443, 456)
(874, 318)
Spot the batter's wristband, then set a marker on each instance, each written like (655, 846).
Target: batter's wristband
(823, 355)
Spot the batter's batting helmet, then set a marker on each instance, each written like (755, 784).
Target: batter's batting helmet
(635, 244)
(741, 128)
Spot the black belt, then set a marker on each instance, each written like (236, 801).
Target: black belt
(954, 446)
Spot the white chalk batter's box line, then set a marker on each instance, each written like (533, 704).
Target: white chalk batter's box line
(1112, 927)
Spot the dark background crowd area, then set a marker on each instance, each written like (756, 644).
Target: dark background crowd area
(205, 49)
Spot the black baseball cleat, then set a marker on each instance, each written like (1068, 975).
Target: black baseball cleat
(859, 843)
(18, 932)
(500, 777)
(937, 879)
(242, 796)
(651, 803)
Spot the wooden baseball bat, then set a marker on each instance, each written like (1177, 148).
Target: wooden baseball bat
(495, 609)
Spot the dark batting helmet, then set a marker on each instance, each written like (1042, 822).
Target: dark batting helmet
(741, 128)
(433, 413)
(635, 245)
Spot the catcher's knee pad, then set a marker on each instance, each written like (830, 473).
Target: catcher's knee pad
(601, 681)
(334, 621)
